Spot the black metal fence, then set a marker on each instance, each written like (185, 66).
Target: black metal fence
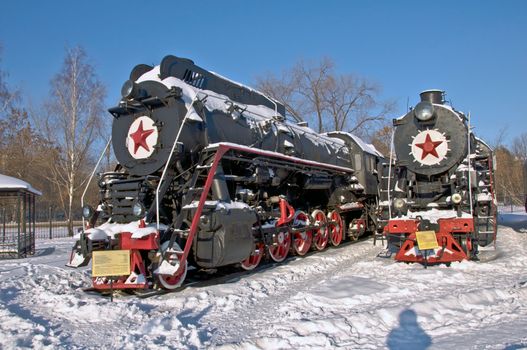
(17, 224)
(49, 223)
(512, 203)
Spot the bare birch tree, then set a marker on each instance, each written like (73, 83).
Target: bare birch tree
(75, 113)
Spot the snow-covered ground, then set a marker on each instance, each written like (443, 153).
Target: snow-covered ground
(345, 297)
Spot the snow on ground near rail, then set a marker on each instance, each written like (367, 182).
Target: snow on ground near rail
(346, 297)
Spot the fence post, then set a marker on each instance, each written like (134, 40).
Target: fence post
(18, 220)
(4, 220)
(50, 223)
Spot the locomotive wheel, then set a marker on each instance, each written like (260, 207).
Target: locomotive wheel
(281, 244)
(335, 228)
(356, 229)
(320, 237)
(466, 244)
(302, 238)
(167, 281)
(255, 258)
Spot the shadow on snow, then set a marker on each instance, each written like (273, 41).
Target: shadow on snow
(409, 335)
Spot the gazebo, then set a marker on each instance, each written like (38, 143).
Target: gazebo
(17, 217)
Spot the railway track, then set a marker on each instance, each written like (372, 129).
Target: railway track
(200, 278)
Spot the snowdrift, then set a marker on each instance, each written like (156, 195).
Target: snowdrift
(345, 297)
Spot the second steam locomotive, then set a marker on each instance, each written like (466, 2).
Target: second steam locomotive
(441, 182)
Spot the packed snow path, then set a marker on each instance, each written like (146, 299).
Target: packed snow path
(345, 297)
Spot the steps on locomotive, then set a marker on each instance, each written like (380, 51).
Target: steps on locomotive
(385, 179)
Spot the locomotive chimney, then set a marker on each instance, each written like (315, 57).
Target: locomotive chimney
(432, 96)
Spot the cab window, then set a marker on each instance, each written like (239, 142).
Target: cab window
(358, 161)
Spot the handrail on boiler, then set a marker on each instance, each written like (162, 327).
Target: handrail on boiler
(390, 175)
(190, 108)
(469, 167)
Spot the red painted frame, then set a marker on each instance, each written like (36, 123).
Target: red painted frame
(151, 241)
(449, 249)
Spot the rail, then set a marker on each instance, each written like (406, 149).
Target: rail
(469, 167)
(390, 175)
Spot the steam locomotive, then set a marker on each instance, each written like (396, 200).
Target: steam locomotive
(441, 183)
(211, 173)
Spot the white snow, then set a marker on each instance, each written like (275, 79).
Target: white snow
(483, 142)
(108, 230)
(346, 297)
(434, 214)
(484, 197)
(8, 182)
(166, 268)
(366, 147)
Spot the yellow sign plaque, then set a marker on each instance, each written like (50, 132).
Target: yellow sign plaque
(111, 263)
(426, 240)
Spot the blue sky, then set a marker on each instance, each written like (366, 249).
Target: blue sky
(475, 50)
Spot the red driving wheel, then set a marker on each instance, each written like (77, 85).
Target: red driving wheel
(320, 236)
(335, 227)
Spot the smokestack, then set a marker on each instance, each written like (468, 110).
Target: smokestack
(432, 96)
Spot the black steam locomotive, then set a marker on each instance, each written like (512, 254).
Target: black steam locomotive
(212, 174)
(441, 182)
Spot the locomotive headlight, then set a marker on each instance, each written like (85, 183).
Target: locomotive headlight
(424, 111)
(138, 210)
(457, 198)
(399, 203)
(128, 90)
(87, 212)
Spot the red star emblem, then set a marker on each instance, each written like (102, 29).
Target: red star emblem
(139, 137)
(429, 147)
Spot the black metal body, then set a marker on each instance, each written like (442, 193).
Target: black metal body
(280, 159)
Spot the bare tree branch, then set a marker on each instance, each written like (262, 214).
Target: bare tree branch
(313, 91)
(75, 113)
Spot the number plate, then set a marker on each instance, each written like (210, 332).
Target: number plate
(426, 240)
(111, 263)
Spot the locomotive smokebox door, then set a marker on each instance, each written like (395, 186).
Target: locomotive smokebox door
(432, 146)
(143, 136)
(225, 235)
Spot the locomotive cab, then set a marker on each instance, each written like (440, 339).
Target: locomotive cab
(367, 162)
(365, 159)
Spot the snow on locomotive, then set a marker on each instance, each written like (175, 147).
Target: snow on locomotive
(212, 174)
(441, 183)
